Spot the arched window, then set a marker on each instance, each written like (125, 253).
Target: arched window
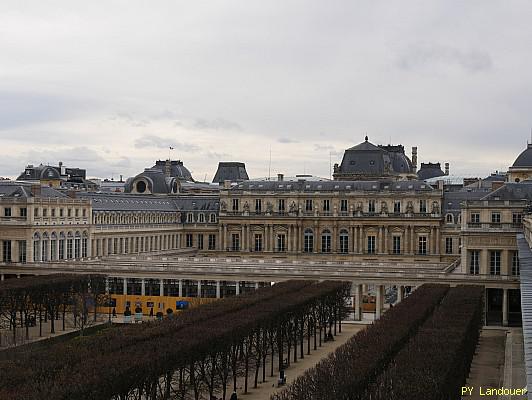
(213, 218)
(449, 218)
(84, 244)
(53, 246)
(344, 241)
(44, 247)
(70, 246)
(190, 218)
(201, 218)
(61, 253)
(326, 241)
(308, 243)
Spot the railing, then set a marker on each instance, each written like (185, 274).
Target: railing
(494, 226)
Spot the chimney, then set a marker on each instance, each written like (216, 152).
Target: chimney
(446, 168)
(167, 169)
(36, 190)
(121, 178)
(71, 193)
(227, 184)
(414, 157)
(280, 177)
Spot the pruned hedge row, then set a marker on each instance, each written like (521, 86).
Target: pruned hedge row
(200, 352)
(347, 372)
(435, 363)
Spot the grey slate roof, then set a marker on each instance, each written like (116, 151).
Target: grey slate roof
(177, 169)
(512, 191)
(452, 200)
(231, 171)
(19, 189)
(39, 172)
(366, 159)
(524, 160)
(525, 272)
(430, 170)
(131, 202)
(400, 161)
(333, 186)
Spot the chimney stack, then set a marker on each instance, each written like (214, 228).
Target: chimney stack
(446, 168)
(280, 177)
(414, 157)
(168, 168)
(227, 184)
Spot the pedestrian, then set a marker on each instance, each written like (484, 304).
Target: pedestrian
(114, 312)
(151, 312)
(234, 396)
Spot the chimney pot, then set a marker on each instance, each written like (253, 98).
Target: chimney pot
(280, 177)
(446, 168)
(414, 157)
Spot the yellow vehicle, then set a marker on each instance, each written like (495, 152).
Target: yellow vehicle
(151, 305)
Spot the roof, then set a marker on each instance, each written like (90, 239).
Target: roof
(365, 159)
(430, 170)
(230, 171)
(20, 189)
(333, 186)
(512, 191)
(525, 272)
(132, 202)
(32, 173)
(452, 200)
(177, 169)
(524, 160)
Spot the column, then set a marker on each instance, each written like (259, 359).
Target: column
(125, 286)
(380, 247)
(199, 288)
(243, 238)
(379, 303)
(334, 241)
(224, 238)
(237, 287)
(356, 290)
(361, 240)
(220, 243)
(438, 239)
(180, 288)
(412, 248)
(272, 239)
(218, 290)
(161, 287)
(400, 293)
(505, 307)
(143, 287)
(256, 285)
(249, 244)
(386, 240)
(2, 277)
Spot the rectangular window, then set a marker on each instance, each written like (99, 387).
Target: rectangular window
(422, 245)
(84, 213)
(22, 251)
(422, 206)
(189, 240)
(280, 205)
(44, 212)
(61, 212)
(515, 263)
(84, 247)
(77, 248)
(308, 205)
(69, 212)
(397, 206)
(343, 205)
(258, 242)
(44, 250)
(495, 262)
(24, 212)
(76, 212)
(235, 204)
(52, 212)
(212, 242)
(326, 243)
(62, 249)
(495, 218)
(281, 242)
(200, 242)
(235, 242)
(7, 212)
(53, 249)
(258, 206)
(474, 262)
(371, 206)
(6, 247)
(475, 218)
(344, 243)
(36, 212)
(70, 252)
(326, 205)
(396, 245)
(517, 219)
(371, 244)
(448, 245)
(308, 243)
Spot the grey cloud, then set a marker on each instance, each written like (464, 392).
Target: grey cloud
(218, 155)
(430, 54)
(130, 119)
(216, 124)
(160, 142)
(287, 140)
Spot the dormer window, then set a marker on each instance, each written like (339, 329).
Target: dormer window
(190, 218)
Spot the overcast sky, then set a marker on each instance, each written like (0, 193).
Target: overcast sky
(110, 85)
